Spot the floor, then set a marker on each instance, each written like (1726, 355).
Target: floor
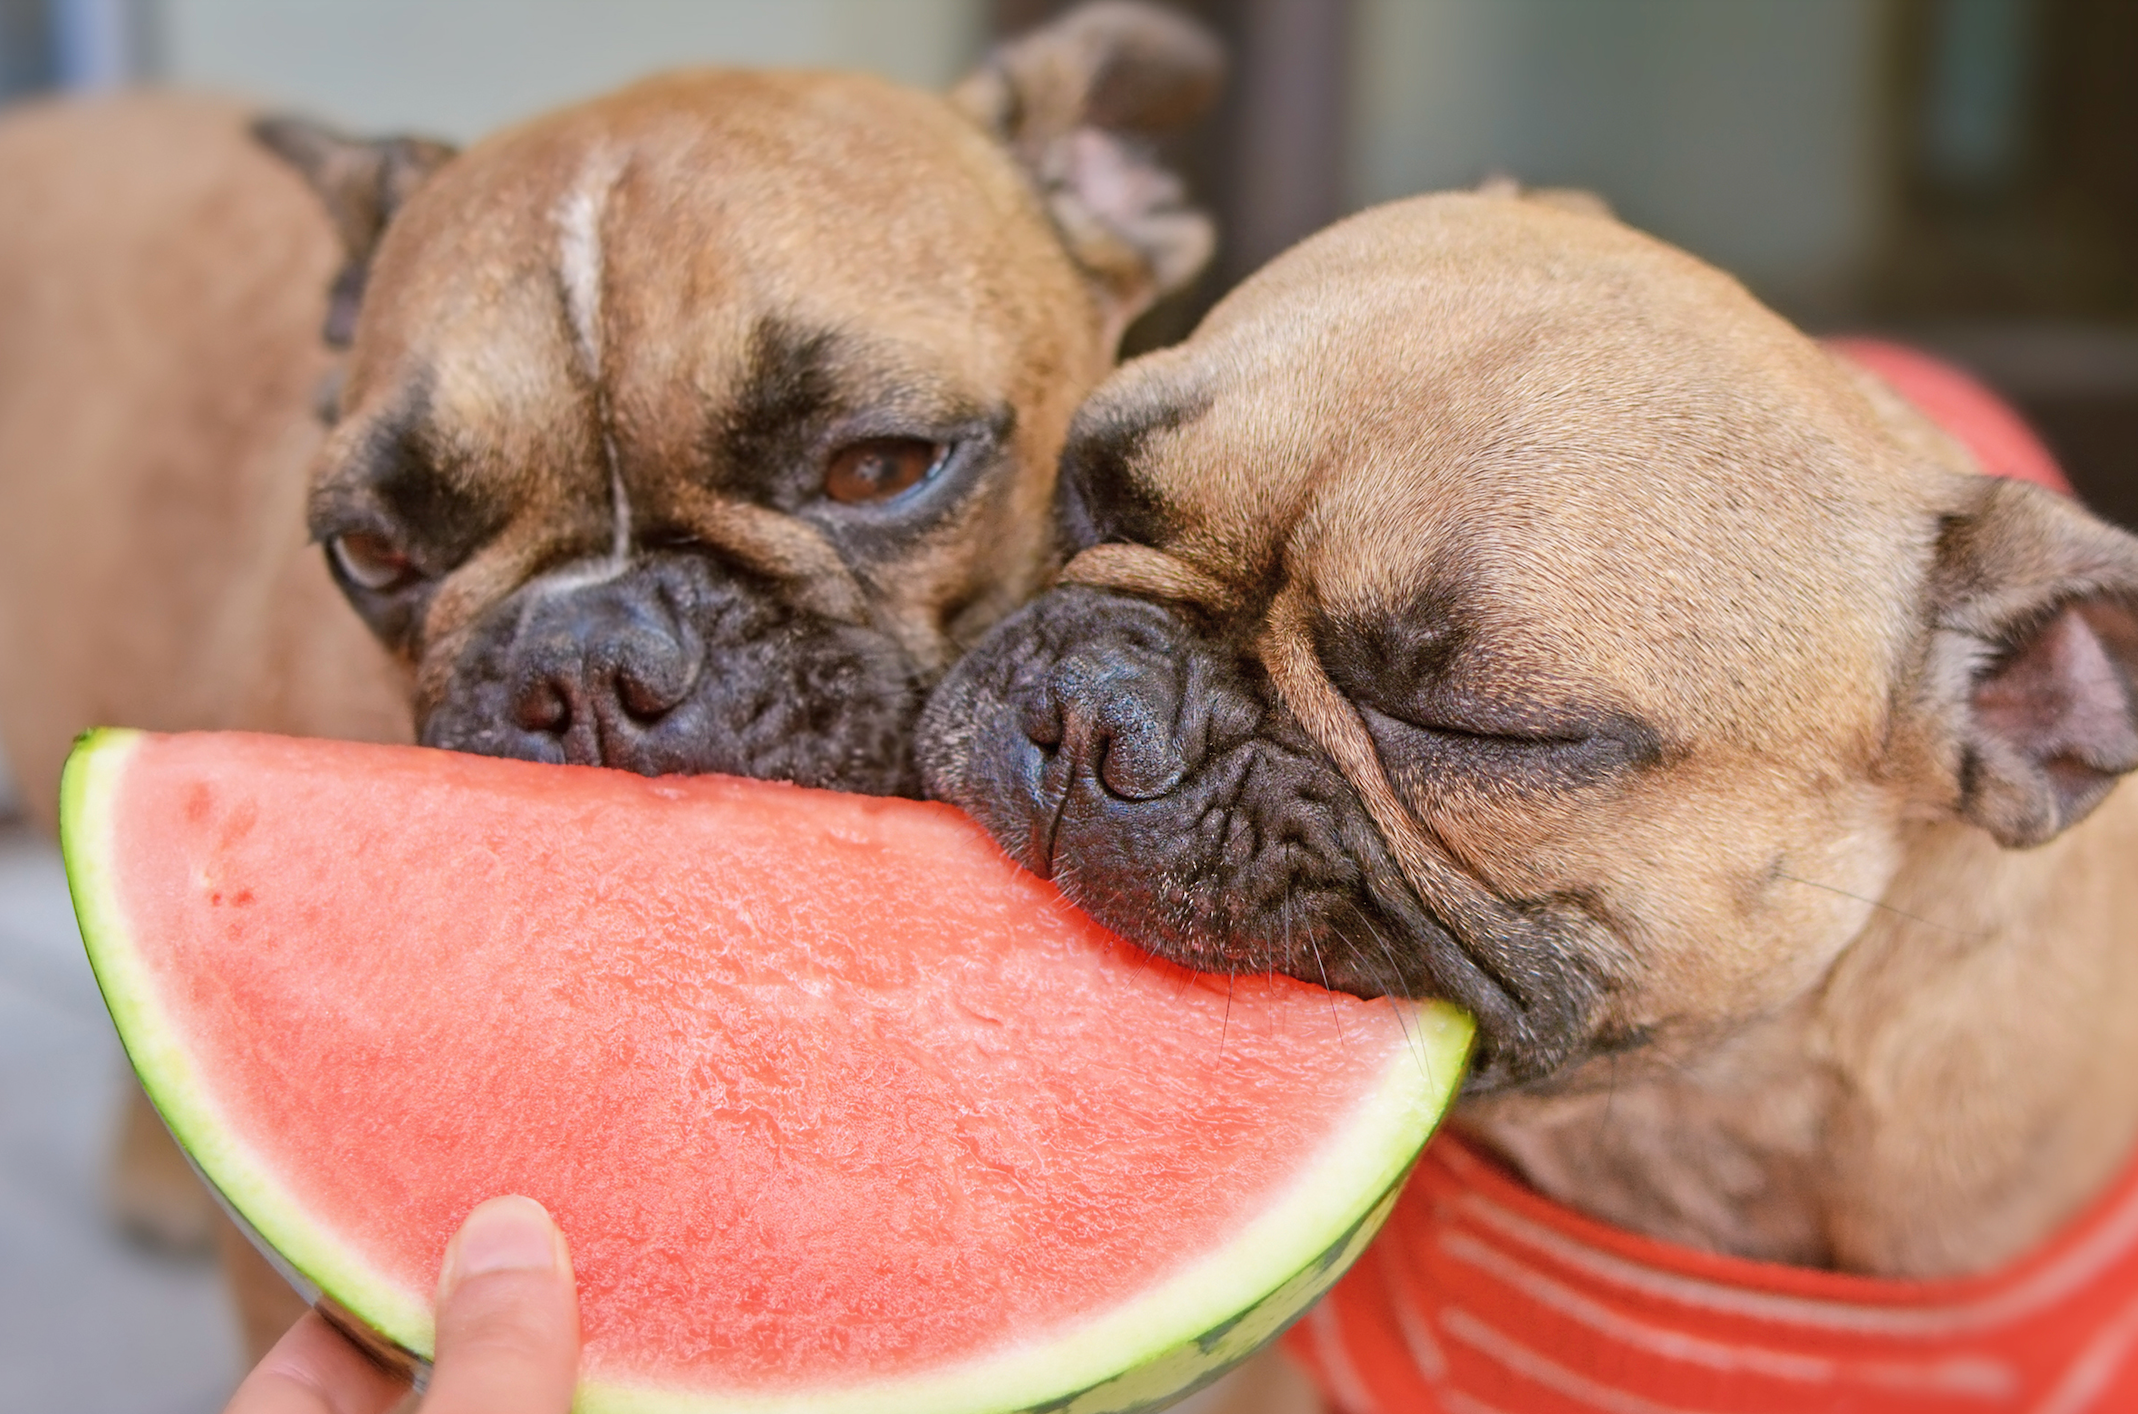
(89, 1324)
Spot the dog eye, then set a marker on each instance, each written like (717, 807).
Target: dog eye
(880, 468)
(1509, 757)
(370, 561)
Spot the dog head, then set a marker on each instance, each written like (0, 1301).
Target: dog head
(1491, 602)
(697, 427)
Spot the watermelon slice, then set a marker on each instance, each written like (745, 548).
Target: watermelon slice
(839, 1109)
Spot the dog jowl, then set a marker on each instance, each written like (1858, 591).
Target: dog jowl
(698, 427)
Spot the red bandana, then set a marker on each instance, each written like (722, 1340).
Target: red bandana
(1482, 1297)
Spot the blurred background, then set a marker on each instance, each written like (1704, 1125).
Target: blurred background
(1964, 172)
(1961, 173)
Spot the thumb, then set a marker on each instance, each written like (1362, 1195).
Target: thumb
(508, 1317)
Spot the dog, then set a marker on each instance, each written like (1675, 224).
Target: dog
(1493, 603)
(694, 428)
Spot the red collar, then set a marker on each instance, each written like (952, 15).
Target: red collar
(1482, 1297)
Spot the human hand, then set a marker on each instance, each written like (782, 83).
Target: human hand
(508, 1333)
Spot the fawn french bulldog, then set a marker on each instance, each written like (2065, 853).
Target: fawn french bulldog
(693, 428)
(1489, 601)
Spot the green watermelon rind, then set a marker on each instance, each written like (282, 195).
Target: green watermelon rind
(1151, 1348)
(168, 1075)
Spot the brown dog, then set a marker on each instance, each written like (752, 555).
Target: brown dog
(1489, 601)
(693, 428)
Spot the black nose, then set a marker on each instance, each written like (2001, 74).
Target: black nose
(1115, 721)
(1090, 724)
(599, 667)
(677, 665)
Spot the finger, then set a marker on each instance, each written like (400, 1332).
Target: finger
(314, 1370)
(508, 1319)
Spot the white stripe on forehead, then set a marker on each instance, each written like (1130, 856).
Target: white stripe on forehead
(580, 270)
(579, 258)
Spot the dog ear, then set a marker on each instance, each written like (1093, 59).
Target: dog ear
(2034, 652)
(363, 184)
(1076, 102)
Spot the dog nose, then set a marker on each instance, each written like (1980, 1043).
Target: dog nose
(597, 668)
(1114, 722)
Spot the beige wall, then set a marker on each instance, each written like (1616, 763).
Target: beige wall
(1741, 129)
(458, 68)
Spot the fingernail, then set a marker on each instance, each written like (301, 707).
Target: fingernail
(509, 1234)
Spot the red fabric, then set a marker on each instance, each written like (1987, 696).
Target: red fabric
(1482, 1297)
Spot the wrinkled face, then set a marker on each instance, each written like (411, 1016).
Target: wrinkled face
(695, 429)
(1487, 602)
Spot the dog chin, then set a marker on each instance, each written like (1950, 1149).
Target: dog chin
(675, 667)
(1152, 773)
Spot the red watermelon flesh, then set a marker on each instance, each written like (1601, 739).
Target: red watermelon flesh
(835, 1104)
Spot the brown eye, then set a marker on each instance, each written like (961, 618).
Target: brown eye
(370, 561)
(879, 469)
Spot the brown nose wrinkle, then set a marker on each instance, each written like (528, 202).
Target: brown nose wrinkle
(1287, 652)
(1139, 569)
(777, 547)
(463, 597)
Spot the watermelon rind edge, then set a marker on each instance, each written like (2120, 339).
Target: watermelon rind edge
(88, 787)
(1147, 1351)
(1168, 1340)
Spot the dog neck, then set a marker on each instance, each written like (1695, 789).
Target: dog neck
(1962, 1082)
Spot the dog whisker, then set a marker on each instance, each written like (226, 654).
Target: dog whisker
(1225, 1028)
(1069, 880)
(1313, 947)
(1969, 934)
(1412, 1035)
